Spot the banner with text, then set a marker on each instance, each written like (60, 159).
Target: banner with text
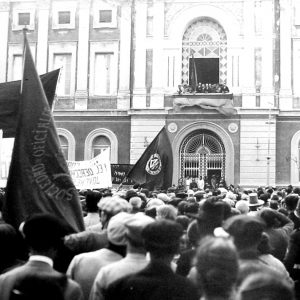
(92, 174)
(118, 173)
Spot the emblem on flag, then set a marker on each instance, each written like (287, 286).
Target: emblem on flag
(154, 164)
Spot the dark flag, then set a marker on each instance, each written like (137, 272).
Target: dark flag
(39, 179)
(193, 70)
(154, 169)
(10, 98)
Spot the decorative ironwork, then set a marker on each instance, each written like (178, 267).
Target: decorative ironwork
(204, 38)
(201, 151)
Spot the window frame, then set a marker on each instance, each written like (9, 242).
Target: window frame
(15, 23)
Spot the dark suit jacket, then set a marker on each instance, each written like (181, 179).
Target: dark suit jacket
(7, 280)
(156, 282)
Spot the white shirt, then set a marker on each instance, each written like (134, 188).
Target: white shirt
(42, 258)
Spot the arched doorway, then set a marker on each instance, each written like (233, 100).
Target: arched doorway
(216, 139)
(202, 153)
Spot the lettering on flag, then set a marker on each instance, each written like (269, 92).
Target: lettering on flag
(91, 174)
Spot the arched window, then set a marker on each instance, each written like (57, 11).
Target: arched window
(100, 143)
(67, 143)
(64, 145)
(295, 159)
(98, 140)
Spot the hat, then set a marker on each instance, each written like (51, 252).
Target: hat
(130, 193)
(254, 201)
(114, 205)
(242, 206)
(154, 203)
(116, 229)
(181, 195)
(136, 202)
(43, 231)
(136, 224)
(164, 197)
(162, 235)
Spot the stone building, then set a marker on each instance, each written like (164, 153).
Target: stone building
(122, 61)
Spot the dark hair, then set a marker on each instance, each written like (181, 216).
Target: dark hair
(45, 231)
(162, 238)
(291, 201)
(91, 200)
(217, 266)
(184, 221)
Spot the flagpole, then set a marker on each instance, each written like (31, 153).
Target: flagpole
(23, 63)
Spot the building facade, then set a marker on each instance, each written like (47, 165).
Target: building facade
(122, 61)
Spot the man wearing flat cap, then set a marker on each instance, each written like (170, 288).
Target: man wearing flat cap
(44, 235)
(157, 280)
(134, 261)
(85, 266)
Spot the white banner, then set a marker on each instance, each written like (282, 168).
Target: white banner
(91, 174)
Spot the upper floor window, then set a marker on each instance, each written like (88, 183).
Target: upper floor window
(64, 17)
(63, 14)
(63, 61)
(104, 16)
(23, 18)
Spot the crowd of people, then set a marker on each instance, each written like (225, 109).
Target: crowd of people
(204, 88)
(192, 241)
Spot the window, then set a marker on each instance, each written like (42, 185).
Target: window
(63, 14)
(100, 143)
(102, 76)
(64, 17)
(63, 61)
(24, 18)
(17, 67)
(64, 145)
(105, 16)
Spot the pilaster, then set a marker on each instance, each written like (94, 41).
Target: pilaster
(248, 79)
(157, 96)
(267, 90)
(139, 93)
(4, 21)
(42, 38)
(286, 100)
(124, 69)
(81, 95)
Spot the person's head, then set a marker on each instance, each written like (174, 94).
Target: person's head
(242, 206)
(271, 217)
(92, 198)
(162, 238)
(134, 228)
(184, 221)
(217, 266)
(110, 206)
(11, 241)
(136, 203)
(44, 232)
(291, 201)
(246, 231)
(117, 230)
(168, 212)
(266, 286)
